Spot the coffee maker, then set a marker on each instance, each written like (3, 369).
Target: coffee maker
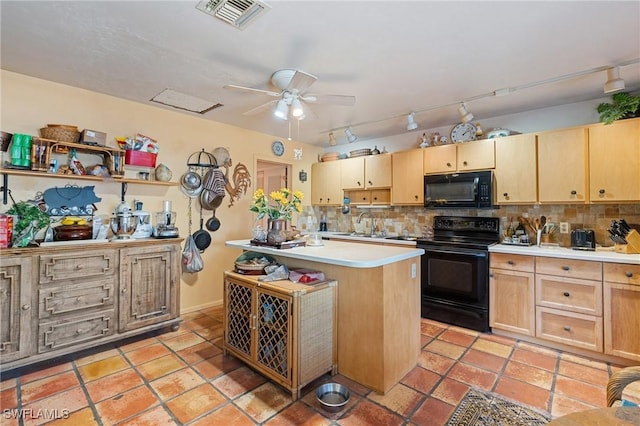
(165, 222)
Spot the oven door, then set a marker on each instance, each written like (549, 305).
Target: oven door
(458, 275)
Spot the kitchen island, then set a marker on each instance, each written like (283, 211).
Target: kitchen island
(378, 304)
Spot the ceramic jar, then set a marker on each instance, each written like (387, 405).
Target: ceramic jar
(276, 233)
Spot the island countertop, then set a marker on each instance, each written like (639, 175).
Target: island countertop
(340, 253)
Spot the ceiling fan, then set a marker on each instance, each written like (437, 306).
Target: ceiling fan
(292, 85)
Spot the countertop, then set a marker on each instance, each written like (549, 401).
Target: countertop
(341, 253)
(600, 255)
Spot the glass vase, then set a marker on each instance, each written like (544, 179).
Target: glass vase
(276, 233)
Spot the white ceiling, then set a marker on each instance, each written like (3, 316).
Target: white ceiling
(393, 56)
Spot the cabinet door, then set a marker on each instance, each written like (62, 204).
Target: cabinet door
(149, 280)
(621, 318)
(511, 301)
(407, 177)
(515, 172)
(478, 155)
(239, 317)
(16, 313)
(377, 171)
(563, 166)
(326, 185)
(273, 327)
(352, 173)
(440, 159)
(614, 161)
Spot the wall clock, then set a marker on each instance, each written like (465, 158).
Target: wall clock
(277, 147)
(463, 132)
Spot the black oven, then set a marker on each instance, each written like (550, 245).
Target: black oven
(459, 190)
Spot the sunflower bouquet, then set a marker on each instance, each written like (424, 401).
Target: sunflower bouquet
(280, 204)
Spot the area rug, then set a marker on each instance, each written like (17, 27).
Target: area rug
(479, 408)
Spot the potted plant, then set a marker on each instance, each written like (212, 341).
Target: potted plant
(624, 105)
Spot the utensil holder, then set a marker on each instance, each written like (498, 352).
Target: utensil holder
(633, 244)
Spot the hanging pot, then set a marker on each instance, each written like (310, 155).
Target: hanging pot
(201, 237)
(213, 224)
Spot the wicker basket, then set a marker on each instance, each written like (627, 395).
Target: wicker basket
(61, 133)
(360, 152)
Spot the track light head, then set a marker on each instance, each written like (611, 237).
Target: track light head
(332, 139)
(350, 136)
(411, 121)
(465, 116)
(614, 82)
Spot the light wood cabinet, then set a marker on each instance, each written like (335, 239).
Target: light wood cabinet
(622, 310)
(285, 330)
(326, 184)
(515, 172)
(16, 310)
(408, 177)
(462, 157)
(369, 197)
(511, 293)
(563, 166)
(367, 172)
(614, 161)
(440, 159)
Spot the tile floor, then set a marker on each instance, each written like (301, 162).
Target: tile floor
(182, 378)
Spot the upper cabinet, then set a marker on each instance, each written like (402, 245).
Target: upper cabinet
(515, 173)
(408, 182)
(614, 161)
(468, 156)
(563, 166)
(325, 184)
(368, 172)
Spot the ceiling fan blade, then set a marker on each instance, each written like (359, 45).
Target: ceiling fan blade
(329, 99)
(251, 90)
(309, 114)
(260, 108)
(301, 81)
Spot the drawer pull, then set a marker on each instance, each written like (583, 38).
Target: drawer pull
(511, 262)
(448, 164)
(567, 328)
(566, 294)
(78, 267)
(80, 331)
(629, 274)
(79, 299)
(490, 275)
(565, 268)
(26, 307)
(574, 192)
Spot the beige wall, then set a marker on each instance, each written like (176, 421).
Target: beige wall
(27, 104)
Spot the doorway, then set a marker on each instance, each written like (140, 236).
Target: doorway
(271, 176)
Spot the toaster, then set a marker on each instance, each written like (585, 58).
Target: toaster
(583, 239)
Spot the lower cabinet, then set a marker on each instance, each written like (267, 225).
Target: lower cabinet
(622, 310)
(286, 331)
(58, 302)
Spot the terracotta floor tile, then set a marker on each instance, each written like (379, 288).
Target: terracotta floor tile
(450, 391)
(421, 379)
(173, 334)
(431, 328)
(457, 337)
(58, 405)
(545, 361)
(507, 341)
(137, 344)
(215, 312)
(126, 405)
(297, 414)
(195, 402)
(82, 417)
(203, 321)
(183, 341)
(484, 360)
(350, 384)
(447, 349)
(113, 384)
(528, 374)
(103, 367)
(176, 383)
(9, 398)
(311, 400)
(424, 340)
(200, 352)
(538, 349)
(48, 386)
(45, 372)
(583, 373)
(186, 317)
(584, 361)
(238, 382)
(227, 415)
(563, 405)
(157, 416)
(210, 333)
(523, 392)
(432, 412)
(9, 420)
(491, 347)
(264, 402)
(8, 383)
(218, 365)
(98, 356)
(473, 376)
(435, 362)
(585, 392)
(400, 399)
(161, 366)
(147, 353)
(368, 413)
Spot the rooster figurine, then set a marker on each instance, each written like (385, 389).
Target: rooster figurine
(241, 179)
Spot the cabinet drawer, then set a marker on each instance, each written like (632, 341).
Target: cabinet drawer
(515, 262)
(621, 273)
(84, 265)
(571, 294)
(73, 331)
(582, 331)
(72, 298)
(569, 268)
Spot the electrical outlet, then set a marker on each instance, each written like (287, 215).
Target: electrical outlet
(414, 270)
(564, 227)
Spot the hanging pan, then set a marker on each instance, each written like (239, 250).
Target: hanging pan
(213, 224)
(201, 237)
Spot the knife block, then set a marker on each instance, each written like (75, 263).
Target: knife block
(633, 244)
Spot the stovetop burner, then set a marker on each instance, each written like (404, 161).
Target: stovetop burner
(464, 231)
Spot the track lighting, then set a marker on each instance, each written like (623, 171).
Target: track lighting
(614, 82)
(296, 108)
(411, 121)
(465, 116)
(282, 109)
(332, 139)
(350, 136)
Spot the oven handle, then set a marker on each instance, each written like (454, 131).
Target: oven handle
(477, 253)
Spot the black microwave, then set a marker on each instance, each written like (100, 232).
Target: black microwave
(459, 190)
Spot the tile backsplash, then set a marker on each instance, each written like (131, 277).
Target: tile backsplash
(414, 220)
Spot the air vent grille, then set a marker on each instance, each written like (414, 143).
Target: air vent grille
(239, 13)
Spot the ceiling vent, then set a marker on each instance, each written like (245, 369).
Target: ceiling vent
(184, 102)
(239, 13)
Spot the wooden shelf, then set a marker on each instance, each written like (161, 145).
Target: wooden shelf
(115, 179)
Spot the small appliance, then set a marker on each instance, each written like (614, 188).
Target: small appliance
(459, 190)
(583, 239)
(122, 222)
(165, 223)
(143, 222)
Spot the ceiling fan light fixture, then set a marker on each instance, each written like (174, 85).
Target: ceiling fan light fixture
(411, 121)
(332, 139)
(350, 136)
(282, 110)
(465, 115)
(614, 82)
(296, 109)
